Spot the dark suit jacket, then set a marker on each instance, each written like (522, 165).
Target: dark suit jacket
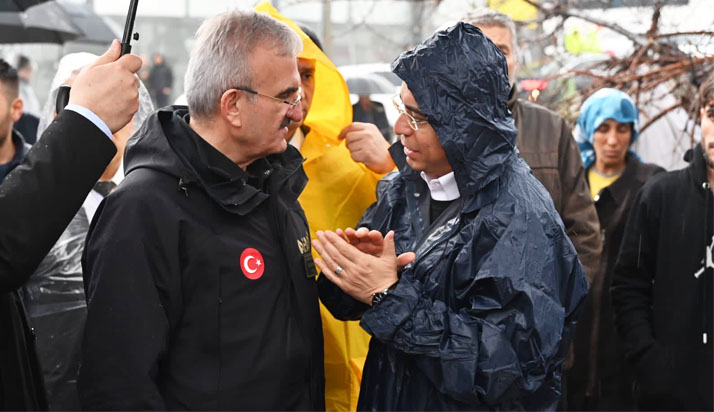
(37, 201)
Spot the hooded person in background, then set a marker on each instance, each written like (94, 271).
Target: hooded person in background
(343, 171)
(54, 294)
(39, 198)
(662, 282)
(482, 314)
(198, 268)
(607, 127)
(161, 80)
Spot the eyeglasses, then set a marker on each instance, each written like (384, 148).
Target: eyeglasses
(291, 103)
(413, 123)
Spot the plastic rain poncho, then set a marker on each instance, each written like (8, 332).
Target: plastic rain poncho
(54, 295)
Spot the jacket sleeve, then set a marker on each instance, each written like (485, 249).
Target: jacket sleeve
(634, 271)
(341, 305)
(39, 198)
(578, 210)
(126, 274)
(509, 335)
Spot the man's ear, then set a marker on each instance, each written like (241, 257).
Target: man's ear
(16, 109)
(230, 106)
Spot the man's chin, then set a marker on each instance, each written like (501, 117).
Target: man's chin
(289, 135)
(709, 156)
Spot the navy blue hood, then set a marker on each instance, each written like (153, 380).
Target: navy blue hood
(459, 78)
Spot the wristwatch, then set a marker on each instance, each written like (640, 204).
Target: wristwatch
(379, 296)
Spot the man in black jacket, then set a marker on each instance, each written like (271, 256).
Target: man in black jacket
(198, 268)
(40, 197)
(662, 286)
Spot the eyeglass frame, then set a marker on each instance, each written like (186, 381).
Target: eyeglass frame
(401, 109)
(292, 104)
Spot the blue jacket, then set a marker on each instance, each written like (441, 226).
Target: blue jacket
(484, 316)
(21, 149)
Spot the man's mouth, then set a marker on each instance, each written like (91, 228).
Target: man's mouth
(407, 151)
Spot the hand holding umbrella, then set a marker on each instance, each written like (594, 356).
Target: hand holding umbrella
(109, 87)
(63, 94)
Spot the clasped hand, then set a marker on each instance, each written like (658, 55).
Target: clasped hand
(368, 261)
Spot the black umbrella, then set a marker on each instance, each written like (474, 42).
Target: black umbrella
(37, 24)
(18, 5)
(364, 84)
(94, 28)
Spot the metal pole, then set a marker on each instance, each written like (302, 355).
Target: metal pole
(327, 26)
(352, 45)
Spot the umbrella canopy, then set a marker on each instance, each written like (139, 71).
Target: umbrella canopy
(364, 84)
(95, 28)
(18, 5)
(38, 24)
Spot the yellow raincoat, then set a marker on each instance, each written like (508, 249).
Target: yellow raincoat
(338, 192)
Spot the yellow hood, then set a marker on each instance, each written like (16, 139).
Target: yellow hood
(331, 110)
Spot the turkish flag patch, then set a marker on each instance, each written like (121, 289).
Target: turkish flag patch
(252, 264)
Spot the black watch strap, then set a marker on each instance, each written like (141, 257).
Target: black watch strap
(379, 296)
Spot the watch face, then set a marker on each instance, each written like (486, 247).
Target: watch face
(378, 297)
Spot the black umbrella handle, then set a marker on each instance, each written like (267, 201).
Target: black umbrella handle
(129, 28)
(62, 98)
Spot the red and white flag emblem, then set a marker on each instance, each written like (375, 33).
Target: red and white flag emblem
(252, 264)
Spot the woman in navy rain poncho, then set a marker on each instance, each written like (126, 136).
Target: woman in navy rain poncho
(483, 317)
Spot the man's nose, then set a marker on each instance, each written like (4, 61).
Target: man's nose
(295, 113)
(401, 126)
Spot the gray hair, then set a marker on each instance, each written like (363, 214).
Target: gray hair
(488, 18)
(221, 57)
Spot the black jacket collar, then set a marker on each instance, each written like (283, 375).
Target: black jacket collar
(21, 149)
(167, 143)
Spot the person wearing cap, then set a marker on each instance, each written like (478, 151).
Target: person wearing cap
(461, 272)
(343, 162)
(607, 127)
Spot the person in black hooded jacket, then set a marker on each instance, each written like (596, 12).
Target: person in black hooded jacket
(198, 268)
(662, 284)
(482, 315)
